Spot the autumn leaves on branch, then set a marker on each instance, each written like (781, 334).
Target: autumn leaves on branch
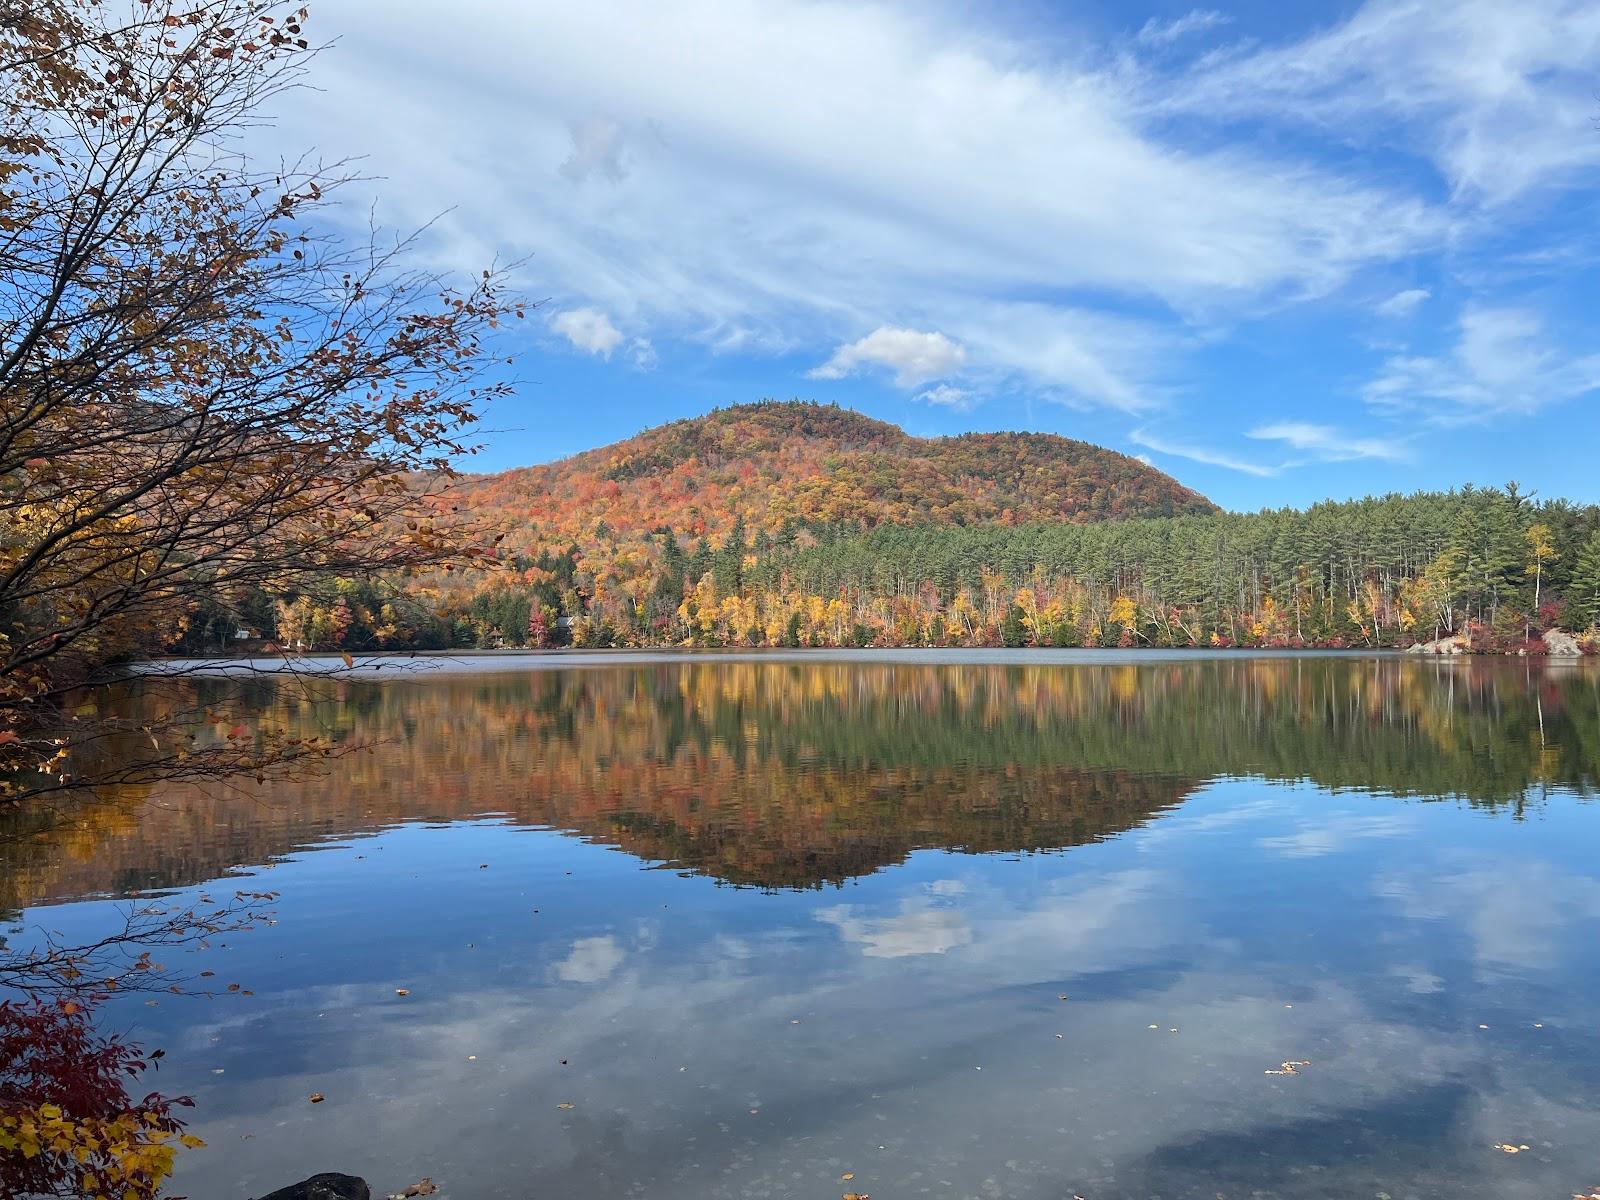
(199, 393)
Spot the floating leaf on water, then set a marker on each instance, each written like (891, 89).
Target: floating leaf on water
(848, 1175)
(423, 1187)
(1292, 1067)
(564, 1104)
(402, 991)
(317, 1097)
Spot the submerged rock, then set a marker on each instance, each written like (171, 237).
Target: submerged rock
(328, 1186)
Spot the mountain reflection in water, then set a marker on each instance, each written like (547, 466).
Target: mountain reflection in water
(801, 775)
(1021, 930)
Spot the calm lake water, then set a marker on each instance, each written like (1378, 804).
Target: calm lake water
(956, 927)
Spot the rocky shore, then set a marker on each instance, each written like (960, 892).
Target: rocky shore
(1558, 643)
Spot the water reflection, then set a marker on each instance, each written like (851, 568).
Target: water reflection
(801, 775)
(1249, 872)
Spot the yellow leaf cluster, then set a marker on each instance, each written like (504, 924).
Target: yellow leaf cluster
(130, 1153)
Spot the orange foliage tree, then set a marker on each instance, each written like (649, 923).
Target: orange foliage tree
(200, 395)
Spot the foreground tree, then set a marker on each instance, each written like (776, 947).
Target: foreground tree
(200, 397)
(68, 1126)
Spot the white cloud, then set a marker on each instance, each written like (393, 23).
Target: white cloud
(824, 169)
(1324, 443)
(1502, 363)
(592, 960)
(914, 357)
(588, 329)
(1200, 454)
(1333, 832)
(1403, 304)
(913, 931)
(946, 396)
(1156, 32)
(1500, 97)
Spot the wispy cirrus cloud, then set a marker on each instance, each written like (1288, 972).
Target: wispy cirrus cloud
(1157, 32)
(1403, 303)
(1201, 454)
(884, 166)
(1503, 362)
(1500, 98)
(837, 186)
(1324, 443)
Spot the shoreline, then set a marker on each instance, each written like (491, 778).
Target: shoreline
(430, 662)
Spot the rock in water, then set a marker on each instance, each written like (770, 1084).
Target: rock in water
(330, 1186)
(1455, 644)
(1558, 643)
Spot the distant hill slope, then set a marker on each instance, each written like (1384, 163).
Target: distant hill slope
(774, 463)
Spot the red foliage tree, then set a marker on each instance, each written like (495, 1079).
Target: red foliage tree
(68, 1126)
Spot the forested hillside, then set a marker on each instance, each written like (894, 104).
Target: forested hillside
(1485, 563)
(801, 464)
(806, 525)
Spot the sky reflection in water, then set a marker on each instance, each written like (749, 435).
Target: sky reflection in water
(1222, 865)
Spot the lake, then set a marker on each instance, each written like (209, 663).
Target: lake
(906, 925)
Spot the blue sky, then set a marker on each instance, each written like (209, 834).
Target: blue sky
(1284, 251)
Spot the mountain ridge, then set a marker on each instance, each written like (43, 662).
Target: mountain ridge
(772, 464)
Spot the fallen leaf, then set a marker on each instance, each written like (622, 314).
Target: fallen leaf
(1292, 1067)
(848, 1175)
(402, 991)
(317, 1097)
(564, 1104)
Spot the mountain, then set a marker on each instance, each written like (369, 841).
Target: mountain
(810, 465)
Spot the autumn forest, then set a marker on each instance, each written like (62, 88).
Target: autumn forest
(798, 524)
